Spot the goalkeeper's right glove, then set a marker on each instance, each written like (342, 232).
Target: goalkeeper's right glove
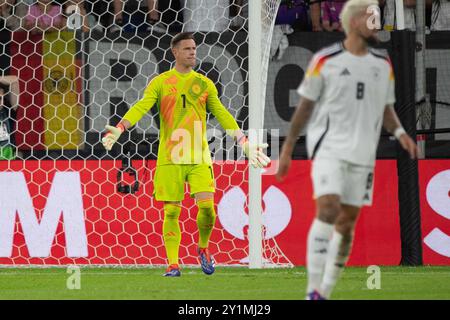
(112, 136)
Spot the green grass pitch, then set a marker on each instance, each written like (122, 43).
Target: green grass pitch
(228, 283)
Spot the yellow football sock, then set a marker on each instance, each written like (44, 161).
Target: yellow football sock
(206, 218)
(171, 231)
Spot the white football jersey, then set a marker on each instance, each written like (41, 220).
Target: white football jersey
(390, 21)
(440, 15)
(351, 93)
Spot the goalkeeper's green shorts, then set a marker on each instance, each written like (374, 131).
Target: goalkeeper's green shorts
(170, 180)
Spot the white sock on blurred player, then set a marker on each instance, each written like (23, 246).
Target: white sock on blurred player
(317, 248)
(338, 252)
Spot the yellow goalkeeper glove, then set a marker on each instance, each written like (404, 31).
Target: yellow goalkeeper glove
(112, 135)
(254, 153)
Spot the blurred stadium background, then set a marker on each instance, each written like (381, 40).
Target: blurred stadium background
(76, 66)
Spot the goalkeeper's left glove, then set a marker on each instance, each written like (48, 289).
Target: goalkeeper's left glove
(112, 136)
(254, 153)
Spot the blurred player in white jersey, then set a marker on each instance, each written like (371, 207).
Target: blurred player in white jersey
(347, 94)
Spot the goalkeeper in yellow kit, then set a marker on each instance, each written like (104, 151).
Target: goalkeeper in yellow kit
(183, 97)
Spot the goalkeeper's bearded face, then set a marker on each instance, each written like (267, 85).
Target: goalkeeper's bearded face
(185, 52)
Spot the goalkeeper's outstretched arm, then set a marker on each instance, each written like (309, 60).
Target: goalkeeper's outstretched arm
(114, 133)
(254, 152)
(136, 112)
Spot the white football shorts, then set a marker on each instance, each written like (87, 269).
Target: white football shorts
(353, 183)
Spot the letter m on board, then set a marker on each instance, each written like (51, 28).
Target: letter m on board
(64, 199)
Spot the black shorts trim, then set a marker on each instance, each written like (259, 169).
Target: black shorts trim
(316, 148)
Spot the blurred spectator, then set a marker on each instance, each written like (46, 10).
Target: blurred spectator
(169, 13)
(9, 97)
(21, 9)
(8, 15)
(440, 15)
(76, 15)
(390, 21)
(293, 13)
(136, 15)
(331, 11)
(153, 14)
(107, 14)
(238, 13)
(44, 15)
(117, 20)
(280, 41)
(207, 16)
(315, 13)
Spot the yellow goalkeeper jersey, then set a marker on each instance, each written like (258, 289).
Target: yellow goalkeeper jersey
(182, 100)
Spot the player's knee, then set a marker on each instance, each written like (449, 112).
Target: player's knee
(172, 211)
(346, 227)
(207, 207)
(328, 210)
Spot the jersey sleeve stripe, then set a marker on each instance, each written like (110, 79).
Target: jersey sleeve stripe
(391, 72)
(388, 60)
(319, 62)
(317, 146)
(316, 67)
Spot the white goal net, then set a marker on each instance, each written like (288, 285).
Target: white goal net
(71, 67)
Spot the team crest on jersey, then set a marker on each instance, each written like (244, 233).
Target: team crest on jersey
(376, 72)
(197, 88)
(323, 180)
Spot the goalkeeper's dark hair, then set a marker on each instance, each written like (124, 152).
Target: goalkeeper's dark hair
(180, 37)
